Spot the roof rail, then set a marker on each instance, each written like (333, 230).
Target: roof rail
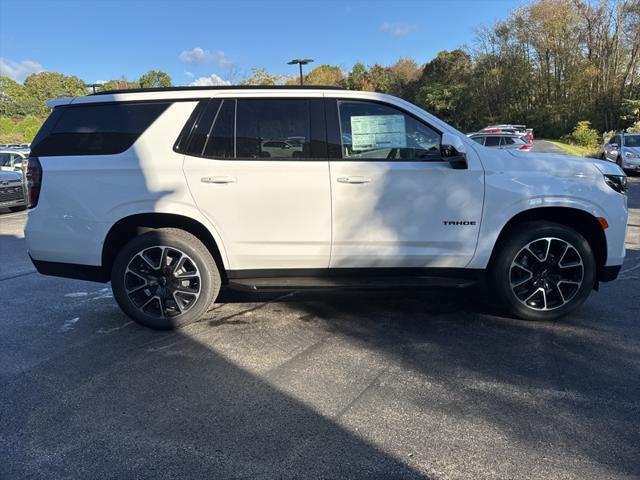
(218, 87)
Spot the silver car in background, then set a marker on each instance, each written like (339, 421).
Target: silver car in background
(12, 191)
(14, 160)
(507, 141)
(623, 149)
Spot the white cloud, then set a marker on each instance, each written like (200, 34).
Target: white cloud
(397, 29)
(198, 56)
(189, 74)
(101, 82)
(210, 81)
(18, 71)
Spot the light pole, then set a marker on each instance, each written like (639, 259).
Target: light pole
(300, 62)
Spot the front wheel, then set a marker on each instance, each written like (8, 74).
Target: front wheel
(165, 278)
(543, 271)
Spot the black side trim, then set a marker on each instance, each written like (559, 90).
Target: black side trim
(71, 270)
(407, 272)
(609, 273)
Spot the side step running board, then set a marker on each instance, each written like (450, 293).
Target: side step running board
(299, 283)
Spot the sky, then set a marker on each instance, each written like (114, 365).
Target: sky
(208, 42)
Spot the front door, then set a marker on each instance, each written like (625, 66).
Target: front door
(395, 202)
(258, 169)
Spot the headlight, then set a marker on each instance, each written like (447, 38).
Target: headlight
(631, 155)
(617, 182)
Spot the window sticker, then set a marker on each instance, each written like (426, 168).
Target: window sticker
(371, 132)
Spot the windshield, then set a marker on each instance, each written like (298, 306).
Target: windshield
(632, 141)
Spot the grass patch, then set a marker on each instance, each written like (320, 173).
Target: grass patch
(577, 150)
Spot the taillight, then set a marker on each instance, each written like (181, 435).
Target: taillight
(526, 148)
(34, 180)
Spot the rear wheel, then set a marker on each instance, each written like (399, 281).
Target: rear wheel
(543, 271)
(165, 278)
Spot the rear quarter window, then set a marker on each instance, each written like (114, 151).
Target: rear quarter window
(103, 129)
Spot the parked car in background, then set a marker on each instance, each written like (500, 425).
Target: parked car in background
(13, 160)
(623, 149)
(508, 141)
(12, 191)
(520, 130)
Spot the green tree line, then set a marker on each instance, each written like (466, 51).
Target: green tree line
(550, 64)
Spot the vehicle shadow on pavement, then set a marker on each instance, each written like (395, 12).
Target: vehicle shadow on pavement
(134, 403)
(560, 392)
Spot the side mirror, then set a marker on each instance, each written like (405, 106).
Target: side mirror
(453, 150)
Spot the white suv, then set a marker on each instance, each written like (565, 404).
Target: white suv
(172, 193)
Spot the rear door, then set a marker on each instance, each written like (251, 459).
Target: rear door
(395, 202)
(258, 169)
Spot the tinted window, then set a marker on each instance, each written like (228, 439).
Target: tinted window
(202, 127)
(480, 140)
(183, 138)
(492, 141)
(220, 138)
(5, 159)
(508, 141)
(371, 130)
(273, 128)
(96, 129)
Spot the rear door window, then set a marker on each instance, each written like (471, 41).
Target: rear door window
(266, 128)
(89, 129)
(256, 128)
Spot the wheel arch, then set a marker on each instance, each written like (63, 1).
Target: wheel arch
(580, 220)
(133, 225)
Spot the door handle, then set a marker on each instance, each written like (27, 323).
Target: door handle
(354, 179)
(221, 179)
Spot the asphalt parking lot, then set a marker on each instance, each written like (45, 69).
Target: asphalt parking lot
(316, 385)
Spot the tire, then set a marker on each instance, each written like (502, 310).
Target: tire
(21, 208)
(171, 297)
(559, 285)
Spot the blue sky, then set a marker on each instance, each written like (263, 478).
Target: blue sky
(103, 39)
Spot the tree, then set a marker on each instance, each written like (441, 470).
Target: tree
(358, 78)
(155, 79)
(119, 84)
(15, 100)
(259, 76)
(443, 87)
(404, 74)
(328, 75)
(45, 86)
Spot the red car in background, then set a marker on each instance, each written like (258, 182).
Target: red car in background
(520, 130)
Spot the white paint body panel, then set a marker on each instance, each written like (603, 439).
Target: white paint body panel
(275, 214)
(396, 220)
(287, 214)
